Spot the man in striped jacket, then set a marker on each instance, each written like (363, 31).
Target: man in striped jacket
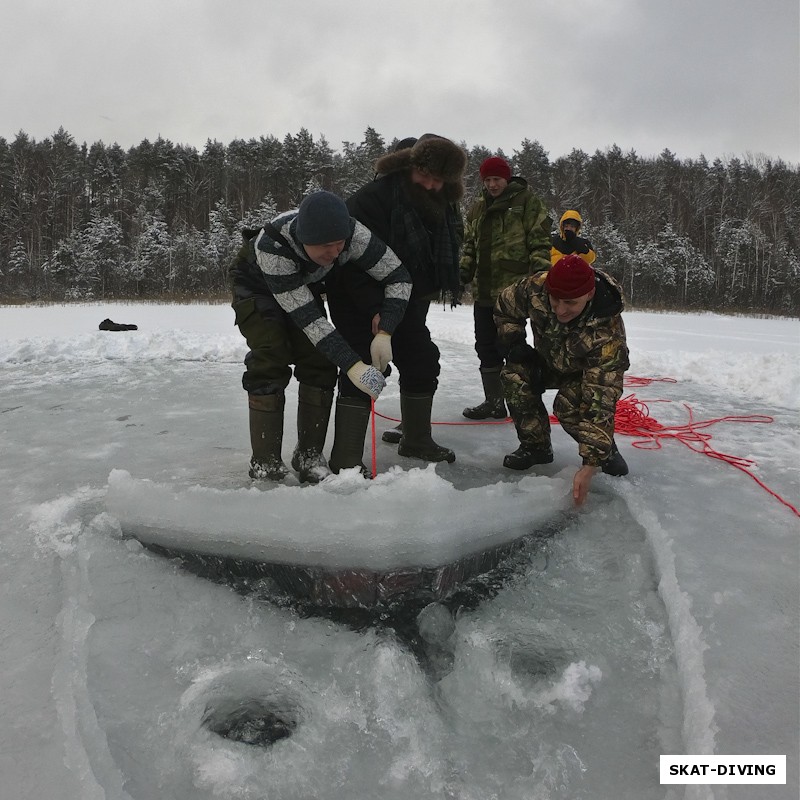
(277, 283)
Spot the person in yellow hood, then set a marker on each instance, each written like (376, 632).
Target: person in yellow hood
(568, 242)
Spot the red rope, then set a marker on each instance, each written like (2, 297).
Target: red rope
(374, 447)
(632, 418)
(455, 422)
(631, 380)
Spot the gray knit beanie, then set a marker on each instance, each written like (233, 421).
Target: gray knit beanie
(322, 218)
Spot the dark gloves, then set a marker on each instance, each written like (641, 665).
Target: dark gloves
(581, 246)
(521, 353)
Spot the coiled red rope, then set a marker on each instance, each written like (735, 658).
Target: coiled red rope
(633, 419)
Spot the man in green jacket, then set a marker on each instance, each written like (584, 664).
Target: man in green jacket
(507, 236)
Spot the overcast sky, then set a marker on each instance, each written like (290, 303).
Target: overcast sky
(717, 77)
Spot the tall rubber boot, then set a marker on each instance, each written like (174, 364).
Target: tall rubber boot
(266, 437)
(494, 405)
(417, 441)
(350, 428)
(313, 414)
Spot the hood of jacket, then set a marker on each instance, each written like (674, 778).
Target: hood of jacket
(569, 214)
(608, 300)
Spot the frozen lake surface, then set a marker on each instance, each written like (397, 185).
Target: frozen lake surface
(662, 617)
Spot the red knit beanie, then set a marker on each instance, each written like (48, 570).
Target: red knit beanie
(495, 167)
(569, 277)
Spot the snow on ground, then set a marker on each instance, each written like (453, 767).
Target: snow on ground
(749, 356)
(663, 616)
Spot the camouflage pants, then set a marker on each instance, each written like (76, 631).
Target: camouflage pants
(523, 386)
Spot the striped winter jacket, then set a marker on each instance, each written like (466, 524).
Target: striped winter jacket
(285, 272)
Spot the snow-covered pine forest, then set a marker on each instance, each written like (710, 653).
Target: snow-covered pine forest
(162, 220)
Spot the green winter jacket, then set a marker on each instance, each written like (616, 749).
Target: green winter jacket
(591, 350)
(505, 239)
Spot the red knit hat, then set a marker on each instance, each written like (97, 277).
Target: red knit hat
(569, 277)
(495, 167)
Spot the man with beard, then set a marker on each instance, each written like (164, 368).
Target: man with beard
(412, 206)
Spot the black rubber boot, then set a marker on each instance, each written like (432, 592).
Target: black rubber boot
(393, 435)
(493, 406)
(417, 441)
(266, 437)
(350, 428)
(615, 464)
(525, 456)
(313, 414)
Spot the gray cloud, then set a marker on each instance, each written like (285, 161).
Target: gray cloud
(706, 77)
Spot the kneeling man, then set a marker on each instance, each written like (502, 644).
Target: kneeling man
(579, 349)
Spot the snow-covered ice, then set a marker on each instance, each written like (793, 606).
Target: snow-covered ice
(662, 617)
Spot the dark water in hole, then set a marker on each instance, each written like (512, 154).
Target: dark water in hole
(249, 721)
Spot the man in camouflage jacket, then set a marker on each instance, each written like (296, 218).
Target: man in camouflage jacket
(507, 236)
(579, 349)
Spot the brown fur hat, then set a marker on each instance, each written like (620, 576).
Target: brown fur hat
(433, 154)
(440, 157)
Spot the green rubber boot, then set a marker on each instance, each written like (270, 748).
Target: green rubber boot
(417, 441)
(266, 437)
(313, 414)
(350, 428)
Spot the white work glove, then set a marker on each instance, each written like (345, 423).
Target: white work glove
(381, 350)
(367, 378)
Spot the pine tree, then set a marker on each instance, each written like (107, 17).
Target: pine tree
(532, 163)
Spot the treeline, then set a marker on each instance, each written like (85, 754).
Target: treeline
(162, 220)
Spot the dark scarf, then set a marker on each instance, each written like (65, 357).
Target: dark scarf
(433, 248)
